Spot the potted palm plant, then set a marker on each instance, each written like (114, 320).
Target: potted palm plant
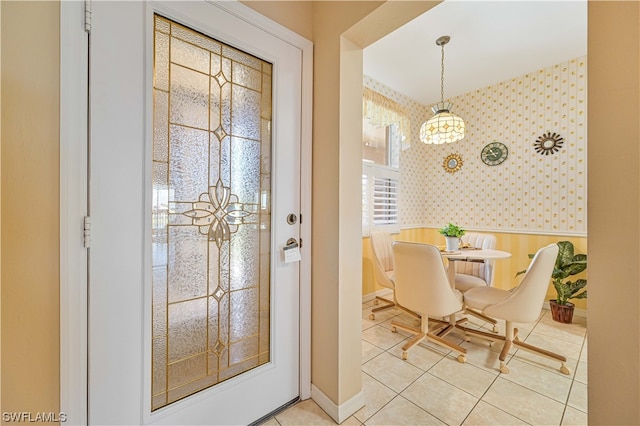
(567, 264)
(452, 234)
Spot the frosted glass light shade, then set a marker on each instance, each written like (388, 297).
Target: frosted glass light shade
(443, 127)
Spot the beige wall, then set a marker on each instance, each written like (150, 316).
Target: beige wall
(30, 208)
(335, 281)
(340, 30)
(614, 202)
(295, 15)
(30, 203)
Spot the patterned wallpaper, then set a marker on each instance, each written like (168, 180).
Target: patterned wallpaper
(529, 192)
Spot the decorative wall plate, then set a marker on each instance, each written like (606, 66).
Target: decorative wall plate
(494, 153)
(452, 163)
(548, 143)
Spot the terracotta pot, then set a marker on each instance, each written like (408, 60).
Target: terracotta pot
(562, 313)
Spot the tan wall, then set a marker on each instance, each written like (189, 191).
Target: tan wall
(614, 203)
(295, 15)
(337, 276)
(519, 245)
(335, 281)
(30, 207)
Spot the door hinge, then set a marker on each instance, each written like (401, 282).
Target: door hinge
(87, 16)
(87, 232)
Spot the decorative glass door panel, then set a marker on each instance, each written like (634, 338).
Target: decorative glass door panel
(211, 212)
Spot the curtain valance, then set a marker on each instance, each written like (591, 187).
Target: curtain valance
(382, 111)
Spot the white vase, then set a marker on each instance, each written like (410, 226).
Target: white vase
(453, 243)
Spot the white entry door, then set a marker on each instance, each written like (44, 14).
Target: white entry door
(195, 191)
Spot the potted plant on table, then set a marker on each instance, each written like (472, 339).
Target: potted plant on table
(567, 264)
(452, 234)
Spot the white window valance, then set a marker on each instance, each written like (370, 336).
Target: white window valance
(382, 111)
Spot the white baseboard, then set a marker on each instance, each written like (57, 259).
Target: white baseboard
(338, 413)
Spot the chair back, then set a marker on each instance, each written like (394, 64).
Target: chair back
(483, 270)
(421, 280)
(525, 302)
(382, 257)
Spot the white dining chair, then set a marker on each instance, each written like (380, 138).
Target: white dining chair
(422, 286)
(470, 274)
(383, 268)
(523, 304)
(475, 274)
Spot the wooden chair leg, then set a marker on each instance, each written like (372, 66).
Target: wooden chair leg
(433, 336)
(389, 304)
(411, 343)
(483, 317)
(522, 345)
(512, 339)
(442, 342)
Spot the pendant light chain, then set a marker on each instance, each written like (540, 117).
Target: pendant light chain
(442, 75)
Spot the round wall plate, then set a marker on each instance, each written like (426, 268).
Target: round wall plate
(452, 163)
(548, 143)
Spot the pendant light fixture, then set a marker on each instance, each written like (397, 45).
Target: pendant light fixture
(443, 127)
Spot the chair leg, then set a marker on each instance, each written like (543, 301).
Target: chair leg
(401, 326)
(436, 336)
(419, 336)
(503, 356)
(483, 317)
(522, 345)
(511, 338)
(442, 342)
(389, 304)
(411, 343)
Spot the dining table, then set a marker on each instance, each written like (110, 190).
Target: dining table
(470, 254)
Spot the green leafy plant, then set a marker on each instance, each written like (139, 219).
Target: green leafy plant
(452, 230)
(567, 264)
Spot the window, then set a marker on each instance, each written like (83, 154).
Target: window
(380, 178)
(383, 128)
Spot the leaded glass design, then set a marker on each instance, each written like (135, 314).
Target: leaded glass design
(211, 212)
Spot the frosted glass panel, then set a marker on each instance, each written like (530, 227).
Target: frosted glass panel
(190, 56)
(189, 162)
(246, 113)
(189, 97)
(160, 134)
(187, 253)
(211, 224)
(246, 76)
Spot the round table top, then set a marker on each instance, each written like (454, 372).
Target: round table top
(475, 253)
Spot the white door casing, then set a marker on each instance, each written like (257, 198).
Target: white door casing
(119, 373)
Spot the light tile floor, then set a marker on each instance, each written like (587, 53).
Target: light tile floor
(433, 388)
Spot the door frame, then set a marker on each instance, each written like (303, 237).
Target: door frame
(74, 153)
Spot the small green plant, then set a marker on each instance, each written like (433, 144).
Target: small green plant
(452, 230)
(567, 264)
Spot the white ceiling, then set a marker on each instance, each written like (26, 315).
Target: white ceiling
(491, 41)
